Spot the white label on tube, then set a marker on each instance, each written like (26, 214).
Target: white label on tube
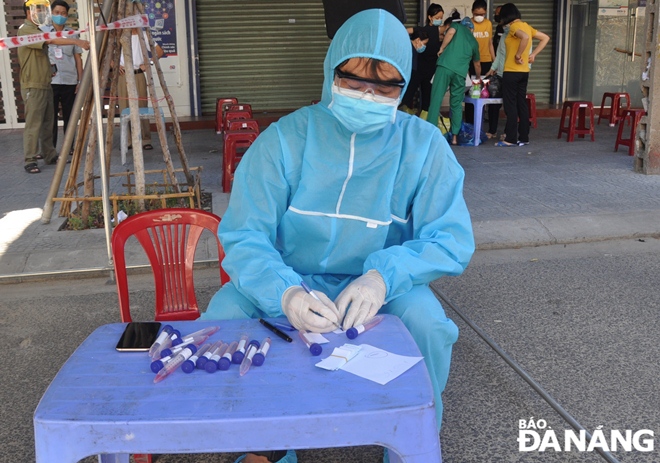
(207, 354)
(251, 351)
(264, 349)
(360, 329)
(241, 346)
(215, 358)
(227, 356)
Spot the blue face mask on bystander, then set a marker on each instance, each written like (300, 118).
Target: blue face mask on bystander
(421, 49)
(59, 20)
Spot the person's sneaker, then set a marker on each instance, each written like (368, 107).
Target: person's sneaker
(522, 143)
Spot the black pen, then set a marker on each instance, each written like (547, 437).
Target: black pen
(275, 330)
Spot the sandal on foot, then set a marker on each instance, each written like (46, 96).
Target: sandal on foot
(38, 156)
(32, 168)
(490, 135)
(147, 147)
(503, 143)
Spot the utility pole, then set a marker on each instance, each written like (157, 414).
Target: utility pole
(647, 143)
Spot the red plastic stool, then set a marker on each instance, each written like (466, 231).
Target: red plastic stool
(633, 116)
(235, 115)
(235, 144)
(220, 106)
(240, 107)
(578, 110)
(531, 105)
(616, 112)
(244, 124)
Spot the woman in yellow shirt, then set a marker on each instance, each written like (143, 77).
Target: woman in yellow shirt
(516, 74)
(483, 33)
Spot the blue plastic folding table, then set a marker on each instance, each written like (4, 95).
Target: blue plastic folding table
(105, 402)
(479, 104)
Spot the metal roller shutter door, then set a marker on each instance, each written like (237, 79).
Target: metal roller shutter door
(540, 14)
(265, 53)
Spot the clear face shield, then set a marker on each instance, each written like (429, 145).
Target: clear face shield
(39, 12)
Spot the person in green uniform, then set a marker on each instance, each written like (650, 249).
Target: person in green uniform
(458, 48)
(37, 94)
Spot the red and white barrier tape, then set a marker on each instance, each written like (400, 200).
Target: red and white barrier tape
(139, 20)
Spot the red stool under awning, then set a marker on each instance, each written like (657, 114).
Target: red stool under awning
(577, 120)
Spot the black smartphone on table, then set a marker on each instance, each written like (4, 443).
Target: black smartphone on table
(138, 336)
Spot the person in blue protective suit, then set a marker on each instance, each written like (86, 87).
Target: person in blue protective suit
(362, 202)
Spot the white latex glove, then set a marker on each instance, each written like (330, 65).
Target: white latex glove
(362, 299)
(298, 305)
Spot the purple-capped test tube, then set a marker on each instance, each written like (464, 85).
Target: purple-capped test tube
(208, 331)
(164, 333)
(260, 356)
(313, 347)
(189, 365)
(354, 332)
(240, 350)
(211, 365)
(225, 362)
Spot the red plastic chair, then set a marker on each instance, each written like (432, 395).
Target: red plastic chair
(169, 238)
(244, 124)
(221, 105)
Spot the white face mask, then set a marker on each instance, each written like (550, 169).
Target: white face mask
(479, 19)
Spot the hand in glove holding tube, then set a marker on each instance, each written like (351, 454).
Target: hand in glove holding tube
(299, 306)
(362, 299)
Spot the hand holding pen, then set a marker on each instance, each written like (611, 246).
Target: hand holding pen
(310, 310)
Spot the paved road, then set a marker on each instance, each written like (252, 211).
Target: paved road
(581, 318)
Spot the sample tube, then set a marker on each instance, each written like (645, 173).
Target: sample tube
(313, 347)
(201, 361)
(260, 356)
(164, 333)
(353, 333)
(240, 350)
(247, 360)
(166, 343)
(225, 362)
(173, 364)
(189, 365)
(208, 331)
(197, 341)
(212, 365)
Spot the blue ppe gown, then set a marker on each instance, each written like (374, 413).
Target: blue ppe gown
(313, 201)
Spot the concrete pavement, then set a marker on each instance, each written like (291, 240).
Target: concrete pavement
(548, 192)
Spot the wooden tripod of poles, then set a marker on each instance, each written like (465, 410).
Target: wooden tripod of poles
(115, 42)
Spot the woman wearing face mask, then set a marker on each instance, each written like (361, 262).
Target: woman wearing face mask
(418, 39)
(68, 60)
(483, 33)
(360, 201)
(429, 54)
(458, 48)
(519, 57)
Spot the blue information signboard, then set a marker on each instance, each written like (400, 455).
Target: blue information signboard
(162, 21)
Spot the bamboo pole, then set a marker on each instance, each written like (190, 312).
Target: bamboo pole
(160, 122)
(138, 160)
(176, 128)
(113, 46)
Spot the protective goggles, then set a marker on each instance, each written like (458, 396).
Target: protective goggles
(390, 89)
